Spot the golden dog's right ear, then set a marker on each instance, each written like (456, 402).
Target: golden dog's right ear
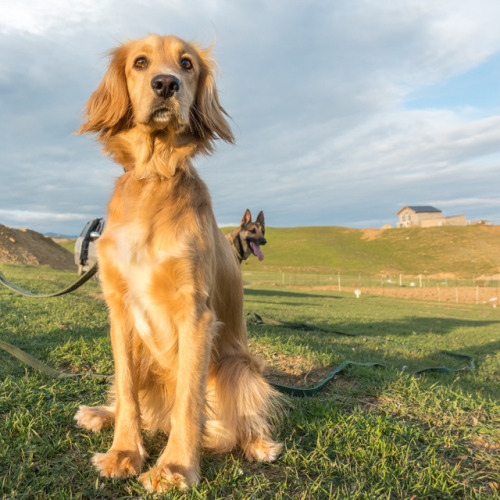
(108, 110)
(208, 117)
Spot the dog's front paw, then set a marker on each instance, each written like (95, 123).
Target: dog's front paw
(94, 418)
(162, 478)
(119, 464)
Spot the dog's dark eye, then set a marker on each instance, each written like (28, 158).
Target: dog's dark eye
(141, 63)
(253, 231)
(186, 63)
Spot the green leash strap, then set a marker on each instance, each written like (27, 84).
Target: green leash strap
(297, 325)
(78, 283)
(444, 369)
(303, 393)
(30, 360)
(38, 365)
(299, 392)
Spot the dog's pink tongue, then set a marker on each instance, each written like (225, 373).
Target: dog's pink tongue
(256, 250)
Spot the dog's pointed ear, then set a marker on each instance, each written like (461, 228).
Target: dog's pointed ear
(247, 217)
(208, 116)
(108, 109)
(260, 218)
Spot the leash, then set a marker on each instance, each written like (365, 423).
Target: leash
(300, 392)
(78, 283)
(284, 389)
(27, 358)
(41, 367)
(24, 356)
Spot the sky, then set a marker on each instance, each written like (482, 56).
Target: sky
(343, 111)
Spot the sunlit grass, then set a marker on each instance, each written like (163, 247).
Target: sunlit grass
(373, 433)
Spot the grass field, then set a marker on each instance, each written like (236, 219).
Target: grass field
(466, 251)
(373, 433)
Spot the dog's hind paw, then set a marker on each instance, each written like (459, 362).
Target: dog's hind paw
(95, 418)
(262, 450)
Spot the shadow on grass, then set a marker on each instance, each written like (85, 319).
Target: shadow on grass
(409, 326)
(281, 293)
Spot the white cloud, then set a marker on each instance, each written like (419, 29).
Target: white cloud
(469, 202)
(318, 93)
(28, 216)
(32, 17)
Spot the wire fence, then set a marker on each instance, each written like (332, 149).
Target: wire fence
(473, 290)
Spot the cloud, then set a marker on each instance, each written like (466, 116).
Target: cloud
(27, 216)
(320, 96)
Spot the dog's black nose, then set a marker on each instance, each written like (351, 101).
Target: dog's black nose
(165, 85)
(262, 241)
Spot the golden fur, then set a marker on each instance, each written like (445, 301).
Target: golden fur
(169, 276)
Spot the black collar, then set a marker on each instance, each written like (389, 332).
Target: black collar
(238, 247)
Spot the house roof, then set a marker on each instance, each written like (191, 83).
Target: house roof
(420, 209)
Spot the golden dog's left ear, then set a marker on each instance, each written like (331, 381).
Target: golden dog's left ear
(108, 109)
(208, 116)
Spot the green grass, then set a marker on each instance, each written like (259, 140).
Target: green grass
(373, 433)
(467, 251)
(69, 245)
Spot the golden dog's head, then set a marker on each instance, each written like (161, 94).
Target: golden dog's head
(162, 86)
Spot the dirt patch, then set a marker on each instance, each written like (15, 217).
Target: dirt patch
(464, 295)
(489, 277)
(24, 246)
(370, 234)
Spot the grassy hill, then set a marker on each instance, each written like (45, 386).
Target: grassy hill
(464, 251)
(68, 244)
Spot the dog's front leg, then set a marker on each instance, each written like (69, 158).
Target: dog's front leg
(127, 453)
(179, 463)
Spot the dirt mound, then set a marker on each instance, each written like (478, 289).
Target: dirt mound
(24, 246)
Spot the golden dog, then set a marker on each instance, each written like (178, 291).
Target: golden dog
(169, 276)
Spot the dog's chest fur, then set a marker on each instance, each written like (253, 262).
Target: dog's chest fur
(151, 252)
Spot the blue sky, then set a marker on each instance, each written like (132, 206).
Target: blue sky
(343, 111)
(478, 89)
